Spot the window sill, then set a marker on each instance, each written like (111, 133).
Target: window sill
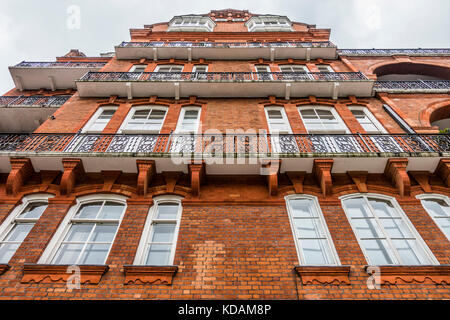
(438, 274)
(3, 268)
(323, 274)
(49, 273)
(161, 275)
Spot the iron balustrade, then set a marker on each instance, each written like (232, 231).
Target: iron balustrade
(223, 76)
(189, 44)
(218, 145)
(417, 85)
(60, 64)
(20, 101)
(391, 52)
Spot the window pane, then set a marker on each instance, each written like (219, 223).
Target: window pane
(308, 113)
(158, 255)
(19, 232)
(7, 250)
(396, 228)
(111, 210)
(107, 114)
(141, 114)
(89, 211)
(302, 208)
(191, 114)
(315, 252)
(34, 210)
(68, 254)
(444, 223)
(377, 251)
(357, 208)
(410, 252)
(79, 232)
(274, 114)
(308, 228)
(103, 233)
(367, 228)
(383, 208)
(325, 114)
(167, 211)
(163, 232)
(95, 254)
(157, 114)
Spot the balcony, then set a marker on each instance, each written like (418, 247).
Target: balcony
(50, 75)
(224, 84)
(394, 52)
(27, 113)
(226, 50)
(417, 86)
(363, 152)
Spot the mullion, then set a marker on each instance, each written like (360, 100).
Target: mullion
(85, 244)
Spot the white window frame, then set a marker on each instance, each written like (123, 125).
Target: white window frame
(135, 66)
(263, 76)
(327, 108)
(147, 233)
(329, 240)
(265, 24)
(391, 249)
(94, 118)
(283, 114)
(329, 68)
(371, 117)
(184, 23)
(200, 75)
(434, 196)
(123, 128)
(159, 66)
(13, 218)
(64, 227)
(181, 118)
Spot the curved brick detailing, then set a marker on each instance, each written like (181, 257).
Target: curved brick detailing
(149, 274)
(43, 273)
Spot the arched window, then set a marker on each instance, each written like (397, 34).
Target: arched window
(144, 119)
(189, 119)
(438, 207)
(322, 119)
(384, 232)
(87, 232)
(159, 239)
(312, 238)
(19, 223)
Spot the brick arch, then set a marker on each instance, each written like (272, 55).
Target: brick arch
(434, 111)
(428, 68)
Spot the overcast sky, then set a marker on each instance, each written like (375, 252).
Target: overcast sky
(41, 30)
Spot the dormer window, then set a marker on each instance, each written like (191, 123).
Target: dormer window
(191, 24)
(268, 23)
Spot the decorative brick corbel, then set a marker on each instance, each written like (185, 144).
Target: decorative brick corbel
(146, 171)
(437, 274)
(21, 170)
(396, 171)
(73, 171)
(171, 178)
(297, 178)
(423, 179)
(443, 171)
(322, 172)
(323, 274)
(359, 179)
(44, 273)
(109, 178)
(197, 173)
(271, 170)
(161, 275)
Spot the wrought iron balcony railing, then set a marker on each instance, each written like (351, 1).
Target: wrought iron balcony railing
(440, 86)
(392, 52)
(33, 101)
(289, 145)
(59, 64)
(223, 76)
(187, 44)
